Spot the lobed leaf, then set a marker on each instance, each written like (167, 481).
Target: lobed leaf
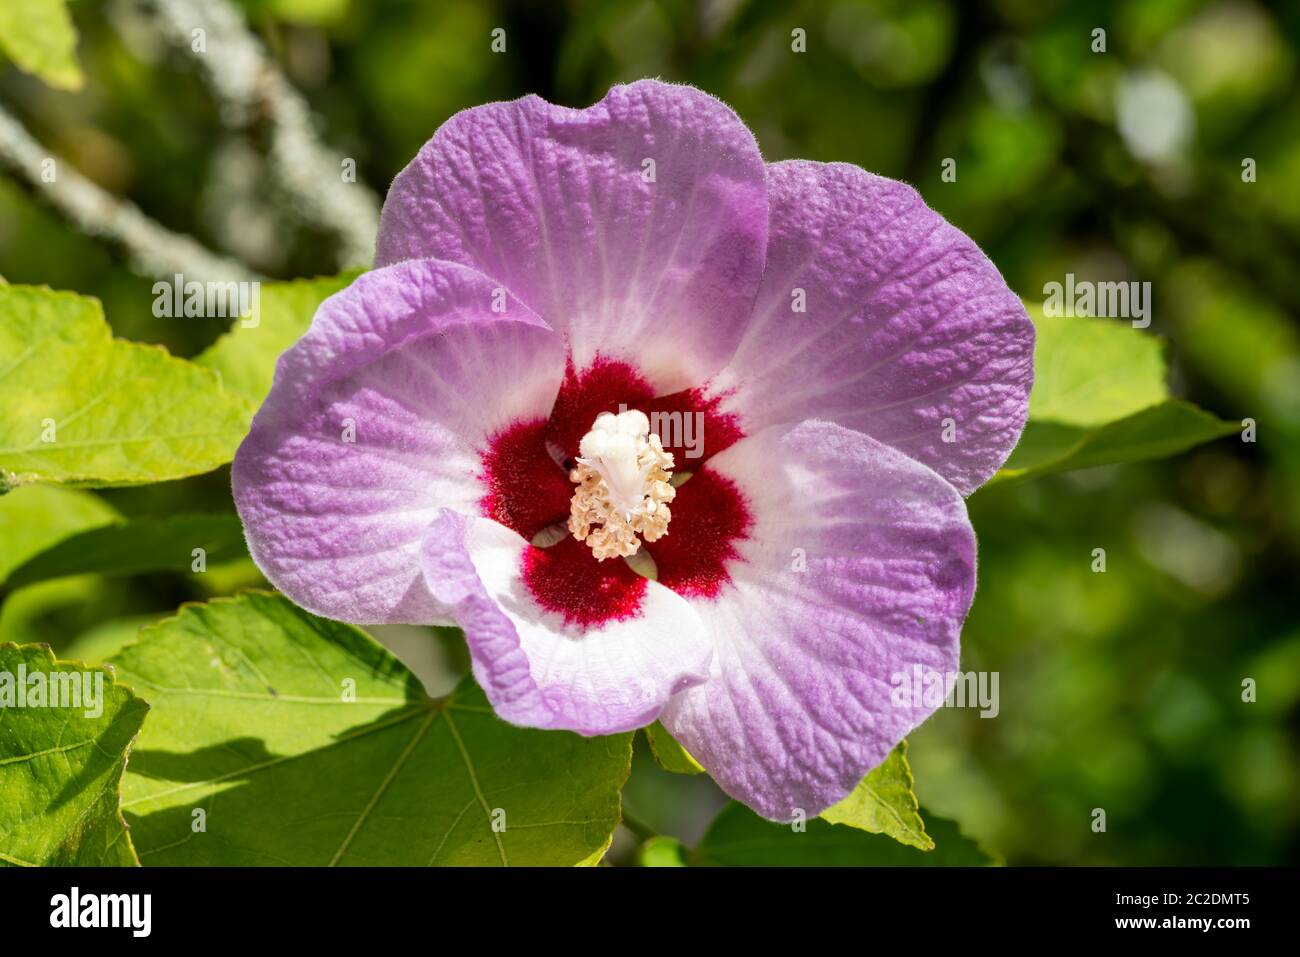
(83, 408)
(296, 740)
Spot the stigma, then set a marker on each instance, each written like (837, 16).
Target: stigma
(622, 474)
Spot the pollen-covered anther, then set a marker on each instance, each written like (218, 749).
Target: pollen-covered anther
(623, 488)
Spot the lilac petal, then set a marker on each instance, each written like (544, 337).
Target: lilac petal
(799, 705)
(536, 670)
(376, 420)
(559, 206)
(907, 325)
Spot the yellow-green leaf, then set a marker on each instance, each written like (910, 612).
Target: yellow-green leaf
(884, 803)
(1089, 371)
(670, 755)
(39, 37)
(83, 408)
(1100, 398)
(246, 355)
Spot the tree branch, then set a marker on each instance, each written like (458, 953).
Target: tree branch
(248, 84)
(151, 249)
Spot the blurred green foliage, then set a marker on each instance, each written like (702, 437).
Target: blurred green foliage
(1120, 691)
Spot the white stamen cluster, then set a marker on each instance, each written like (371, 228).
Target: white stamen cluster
(622, 476)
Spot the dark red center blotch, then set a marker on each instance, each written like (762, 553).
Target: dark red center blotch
(528, 489)
(568, 580)
(709, 520)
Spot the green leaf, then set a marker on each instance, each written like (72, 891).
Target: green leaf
(245, 356)
(661, 851)
(34, 518)
(740, 838)
(39, 37)
(1100, 398)
(60, 769)
(135, 546)
(1166, 429)
(883, 803)
(251, 725)
(82, 408)
(1088, 372)
(670, 755)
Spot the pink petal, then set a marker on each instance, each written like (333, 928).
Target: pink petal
(539, 670)
(416, 360)
(907, 325)
(554, 203)
(798, 704)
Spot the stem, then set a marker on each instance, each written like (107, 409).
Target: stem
(638, 827)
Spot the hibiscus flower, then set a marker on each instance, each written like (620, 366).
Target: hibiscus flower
(669, 432)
